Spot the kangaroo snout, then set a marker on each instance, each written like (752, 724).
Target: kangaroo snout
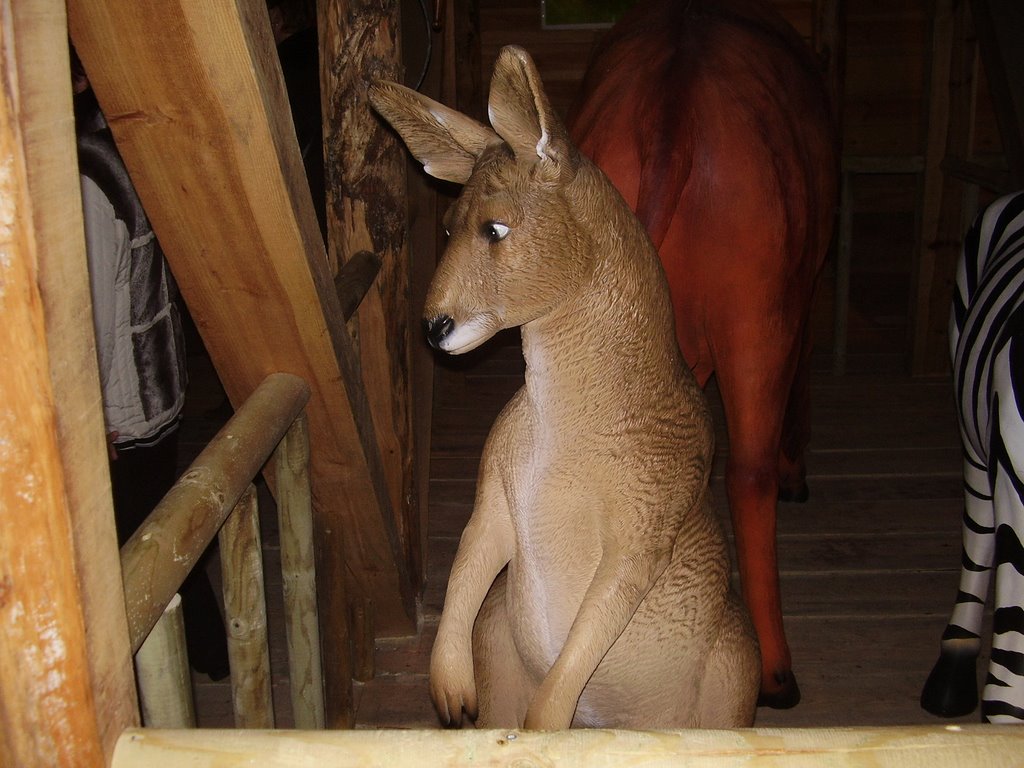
(438, 328)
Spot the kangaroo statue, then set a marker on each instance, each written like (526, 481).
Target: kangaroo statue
(591, 586)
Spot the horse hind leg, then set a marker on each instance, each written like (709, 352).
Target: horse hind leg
(796, 430)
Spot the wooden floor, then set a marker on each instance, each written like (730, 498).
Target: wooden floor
(868, 565)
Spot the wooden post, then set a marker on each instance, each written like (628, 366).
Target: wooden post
(950, 106)
(43, 91)
(47, 710)
(367, 210)
(298, 577)
(245, 611)
(160, 554)
(194, 96)
(165, 683)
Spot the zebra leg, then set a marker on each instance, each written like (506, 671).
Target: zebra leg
(1003, 698)
(952, 687)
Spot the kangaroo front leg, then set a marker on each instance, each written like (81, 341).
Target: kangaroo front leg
(485, 548)
(619, 584)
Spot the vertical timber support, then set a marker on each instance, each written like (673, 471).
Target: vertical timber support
(245, 612)
(298, 577)
(165, 682)
(950, 115)
(365, 173)
(48, 713)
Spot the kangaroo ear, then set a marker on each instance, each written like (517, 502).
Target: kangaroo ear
(447, 142)
(521, 114)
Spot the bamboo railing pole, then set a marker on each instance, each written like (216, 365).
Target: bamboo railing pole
(298, 574)
(158, 556)
(162, 673)
(245, 608)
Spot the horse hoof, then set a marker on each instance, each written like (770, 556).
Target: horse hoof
(785, 694)
(797, 495)
(952, 687)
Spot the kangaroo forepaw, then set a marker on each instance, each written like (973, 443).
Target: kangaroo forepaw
(952, 687)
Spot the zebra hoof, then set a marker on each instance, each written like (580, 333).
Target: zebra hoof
(952, 687)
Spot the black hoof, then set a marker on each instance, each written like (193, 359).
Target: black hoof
(798, 495)
(952, 687)
(786, 696)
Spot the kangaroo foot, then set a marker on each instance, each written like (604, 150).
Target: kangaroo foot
(782, 693)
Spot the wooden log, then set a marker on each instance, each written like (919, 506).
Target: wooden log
(298, 579)
(935, 746)
(47, 709)
(43, 92)
(160, 554)
(245, 611)
(365, 172)
(195, 98)
(162, 672)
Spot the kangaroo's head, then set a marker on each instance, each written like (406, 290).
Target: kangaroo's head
(514, 250)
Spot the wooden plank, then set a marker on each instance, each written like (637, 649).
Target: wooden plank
(934, 746)
(47, 710)
(195, 98)
(47, 129)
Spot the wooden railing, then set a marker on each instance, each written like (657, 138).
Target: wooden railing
(216, 495)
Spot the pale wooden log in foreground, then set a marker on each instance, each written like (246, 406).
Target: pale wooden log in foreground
(160, 554)
(162, 672)
(38, 89)
(48, 714)
(926, 746)
(298, 578)
(245, 609)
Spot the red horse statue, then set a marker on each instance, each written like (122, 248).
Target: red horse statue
(712, 119)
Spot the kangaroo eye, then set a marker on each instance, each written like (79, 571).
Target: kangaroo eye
(495, 231)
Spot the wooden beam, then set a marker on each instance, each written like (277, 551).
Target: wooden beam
(935, 746)
(1000, 28)
(950, 107)
(194, 96)
(47, 709)
(364, 170)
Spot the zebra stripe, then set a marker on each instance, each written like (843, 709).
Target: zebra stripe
(987, 348)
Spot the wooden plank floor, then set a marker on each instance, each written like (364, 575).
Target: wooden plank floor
(868, 565)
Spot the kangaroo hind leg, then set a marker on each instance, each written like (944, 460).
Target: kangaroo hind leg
(504, 688)
(732, 676)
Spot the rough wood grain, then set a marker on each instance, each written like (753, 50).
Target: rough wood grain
(47, 707)
(245, 613)
(44, 93)
(365, 173)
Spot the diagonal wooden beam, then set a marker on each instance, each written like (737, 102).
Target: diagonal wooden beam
(194, 96)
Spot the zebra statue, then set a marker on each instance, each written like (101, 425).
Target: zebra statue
(987, 346)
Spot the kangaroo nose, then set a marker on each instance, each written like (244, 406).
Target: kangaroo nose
(438, 329)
